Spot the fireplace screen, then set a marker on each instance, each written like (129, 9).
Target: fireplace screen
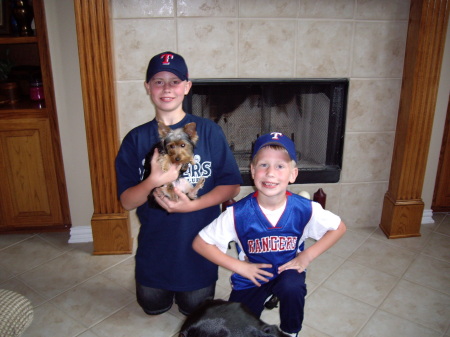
(311, 112)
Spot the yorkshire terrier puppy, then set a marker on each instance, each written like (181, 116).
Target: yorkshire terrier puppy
(176, 147)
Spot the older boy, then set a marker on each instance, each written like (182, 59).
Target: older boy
(270, 227)
(167, 269)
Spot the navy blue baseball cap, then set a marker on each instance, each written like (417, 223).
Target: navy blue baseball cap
(275, 138)
(167, 61)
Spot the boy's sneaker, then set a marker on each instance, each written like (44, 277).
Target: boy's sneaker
(294, 334)
(272, 302)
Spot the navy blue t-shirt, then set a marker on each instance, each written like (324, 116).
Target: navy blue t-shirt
(164, 257)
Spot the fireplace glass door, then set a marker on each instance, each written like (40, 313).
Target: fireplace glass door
(311, 112)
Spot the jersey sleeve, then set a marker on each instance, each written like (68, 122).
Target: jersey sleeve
(321, 222)
(221, 231)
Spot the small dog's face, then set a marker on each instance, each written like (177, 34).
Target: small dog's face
(179, 143)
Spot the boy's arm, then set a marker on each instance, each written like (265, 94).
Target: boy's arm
(252, 271)
(216, 196)
(136, 195)
(304, 258)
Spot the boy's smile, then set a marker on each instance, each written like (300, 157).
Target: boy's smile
(272, 172)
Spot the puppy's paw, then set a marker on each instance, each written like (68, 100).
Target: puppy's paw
(193, 193)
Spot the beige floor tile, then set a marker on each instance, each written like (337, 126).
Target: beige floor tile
(438, 246)
(132, 321)
(439, 217)
(378, 254)
(444, 226)
(123, 274)
(83, 253)
(310, 332)
(335, 314)
(59, 240)
(222, 292)
(87, 334)
(415, 244)
(430, 272)
(27, 254)
(348, 244)
(11, 239)
(5, 274)
(362, 283)
(322, 267)
(271, 316)
(419, 304)
(50, 321)
(310, 287)
(18, 286)
(93, 300)
(70, 271)
(383, 324)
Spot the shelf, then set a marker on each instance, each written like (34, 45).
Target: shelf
(17, 39)
(24, 105)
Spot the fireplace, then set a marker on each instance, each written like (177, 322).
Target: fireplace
(310, 111)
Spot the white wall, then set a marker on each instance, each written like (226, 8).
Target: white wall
(66, 76)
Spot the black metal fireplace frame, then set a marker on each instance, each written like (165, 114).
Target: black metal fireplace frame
(335, 89)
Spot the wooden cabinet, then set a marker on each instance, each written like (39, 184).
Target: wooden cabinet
(32, 183)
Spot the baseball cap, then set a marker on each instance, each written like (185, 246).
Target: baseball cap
(275, 138)
(167, 61)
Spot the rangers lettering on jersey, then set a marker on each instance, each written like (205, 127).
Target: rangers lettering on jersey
(272, 244)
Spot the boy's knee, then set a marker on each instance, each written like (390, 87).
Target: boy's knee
(151, 308)
(293, 283)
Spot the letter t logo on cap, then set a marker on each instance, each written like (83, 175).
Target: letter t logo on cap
(275, 135)
(166, 58)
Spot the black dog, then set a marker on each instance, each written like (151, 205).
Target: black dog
(218, 318)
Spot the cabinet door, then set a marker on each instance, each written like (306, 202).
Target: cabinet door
(28, 183)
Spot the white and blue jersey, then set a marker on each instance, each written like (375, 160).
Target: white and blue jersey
(263, 241)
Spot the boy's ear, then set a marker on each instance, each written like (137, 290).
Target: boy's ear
(147, 87)
(294, 174)
(187, 87)
(252, 171)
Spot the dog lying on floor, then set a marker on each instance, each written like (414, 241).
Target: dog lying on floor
(218, 318)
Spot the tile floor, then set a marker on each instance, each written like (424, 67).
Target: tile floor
(364, 286)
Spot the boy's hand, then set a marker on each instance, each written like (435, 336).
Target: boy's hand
(299, 263)
(158, 175)
(254, 271)
(182, 205)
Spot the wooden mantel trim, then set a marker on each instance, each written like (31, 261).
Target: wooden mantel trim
(110, 224)
(403, 206)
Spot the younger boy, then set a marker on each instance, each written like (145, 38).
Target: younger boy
(270, 227)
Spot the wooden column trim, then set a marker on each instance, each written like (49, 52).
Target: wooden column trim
(110, 223)
(403, 206)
